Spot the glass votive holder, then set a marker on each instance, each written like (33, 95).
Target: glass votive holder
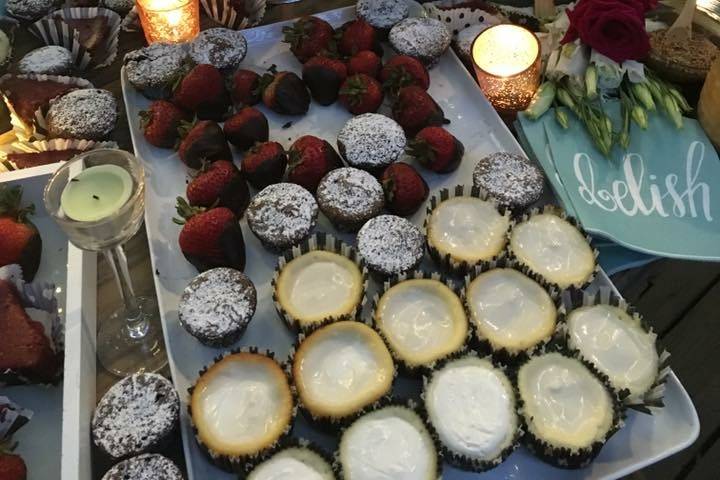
(169, 21)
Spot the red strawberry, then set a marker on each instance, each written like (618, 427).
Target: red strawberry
(219, 184)
(264, 164)
(203, 92)
(246, 128)
(210, 238)
(310, 158)
(309, 36)
(366, 62)
(160, 124)
(402, 71)
(323, 76)
(405, 190)
(12, 467)
(414, 109)
(437, 149)
(361, 94)
(285, 93)
(245, 88)
(20, 241)
(204, 142)
(357, 36)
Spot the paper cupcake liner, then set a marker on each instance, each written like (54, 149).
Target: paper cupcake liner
(555, 210)
(408, 369)
(484, 345)
(52, 145)
(292, 442)
(54, 31)
(445, 261)
(461, 461)
(131, 21)
(35, 129)
(223, 13)
(328, 243)
(241, 464)
(13, 418)
(41, 296)
(653, 397)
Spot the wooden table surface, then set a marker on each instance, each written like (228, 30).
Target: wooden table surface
(681, 299)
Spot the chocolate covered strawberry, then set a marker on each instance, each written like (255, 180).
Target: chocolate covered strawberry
(219, 184)
(12, 467)
(161, 122)
(285, 93)
(437, 149)
(20, 242)
(366, 62)
(414, 109)
(203, 142)
(403, 71)
(308, 37)
(324, 76)
(203, 92)
(264, 164)
(246, 128)
(361, 94)
(210, 238)
(405, 190)
(245, 88)
(356, 36)
(309, 159)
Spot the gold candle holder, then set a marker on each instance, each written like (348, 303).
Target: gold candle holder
(507, 66)
(170, 21)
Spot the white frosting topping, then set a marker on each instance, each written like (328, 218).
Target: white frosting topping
(294, 463)
(554, 248)
(616, 344)
(472, 407)
(422, 319)
(564, 403)
(468, 228)
(389, 444)
(510, 310)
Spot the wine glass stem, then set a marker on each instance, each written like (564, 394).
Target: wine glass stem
(136, 323)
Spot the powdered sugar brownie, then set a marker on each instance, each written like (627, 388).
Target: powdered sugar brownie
(511, 179)
(423, 38)
(50, 60)
(152, 69)
(221, 47)
(217, 306)
(390, 245)
(371, 141)
(145, 467)
(136, 415)
(282, 215)
(349, 197)
(29, 9)
(382, 14)
(120, 6)
(88, 114)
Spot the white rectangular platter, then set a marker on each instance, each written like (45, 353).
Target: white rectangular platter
(61, 412)
(645, 439)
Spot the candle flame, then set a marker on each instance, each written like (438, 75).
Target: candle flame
(505, 50)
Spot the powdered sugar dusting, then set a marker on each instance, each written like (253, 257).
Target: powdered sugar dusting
(512, 179)
(29, 9)
(217, 303)
(423, 38)
(382, 13)
(135, 414)
(391, 244)
(88, 114)
(145, 467)
(220, 47)
(155, 65)
(371, 140)
(50, 60)
(351, 193)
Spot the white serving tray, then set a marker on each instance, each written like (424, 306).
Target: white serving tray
(646, 439)
(61, 413)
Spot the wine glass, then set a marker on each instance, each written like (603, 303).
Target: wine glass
(98, 199)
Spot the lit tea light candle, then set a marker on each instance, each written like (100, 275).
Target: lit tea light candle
(507, 66)
(96, 193)
(170, 21)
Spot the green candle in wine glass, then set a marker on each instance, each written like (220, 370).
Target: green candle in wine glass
(96, 193)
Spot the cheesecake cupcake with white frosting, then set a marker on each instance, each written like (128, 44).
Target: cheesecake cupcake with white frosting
(552, 245)
(470, 404)
(320, 281)
(464, 226)
(568, 410)
(297, 459)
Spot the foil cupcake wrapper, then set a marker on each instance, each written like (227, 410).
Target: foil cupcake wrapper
(241, 464)
(653, 397)
(224, 14)
(298, 442)
(51, 145)
(446, 262)
(53, 31)
(328, 243)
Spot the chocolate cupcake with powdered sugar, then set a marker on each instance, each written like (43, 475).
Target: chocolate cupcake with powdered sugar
(87, 114)
(513, 180)
(145, 467)
(220, 47)
(349, 197)
(152, 69)
(423, 38)
(382, 14)
(371, 142)
(49, 60)
(390, 245)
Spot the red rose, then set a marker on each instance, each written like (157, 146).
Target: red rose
(615, 28)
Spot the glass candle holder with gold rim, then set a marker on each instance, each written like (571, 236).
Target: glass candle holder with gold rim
(169, 21)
